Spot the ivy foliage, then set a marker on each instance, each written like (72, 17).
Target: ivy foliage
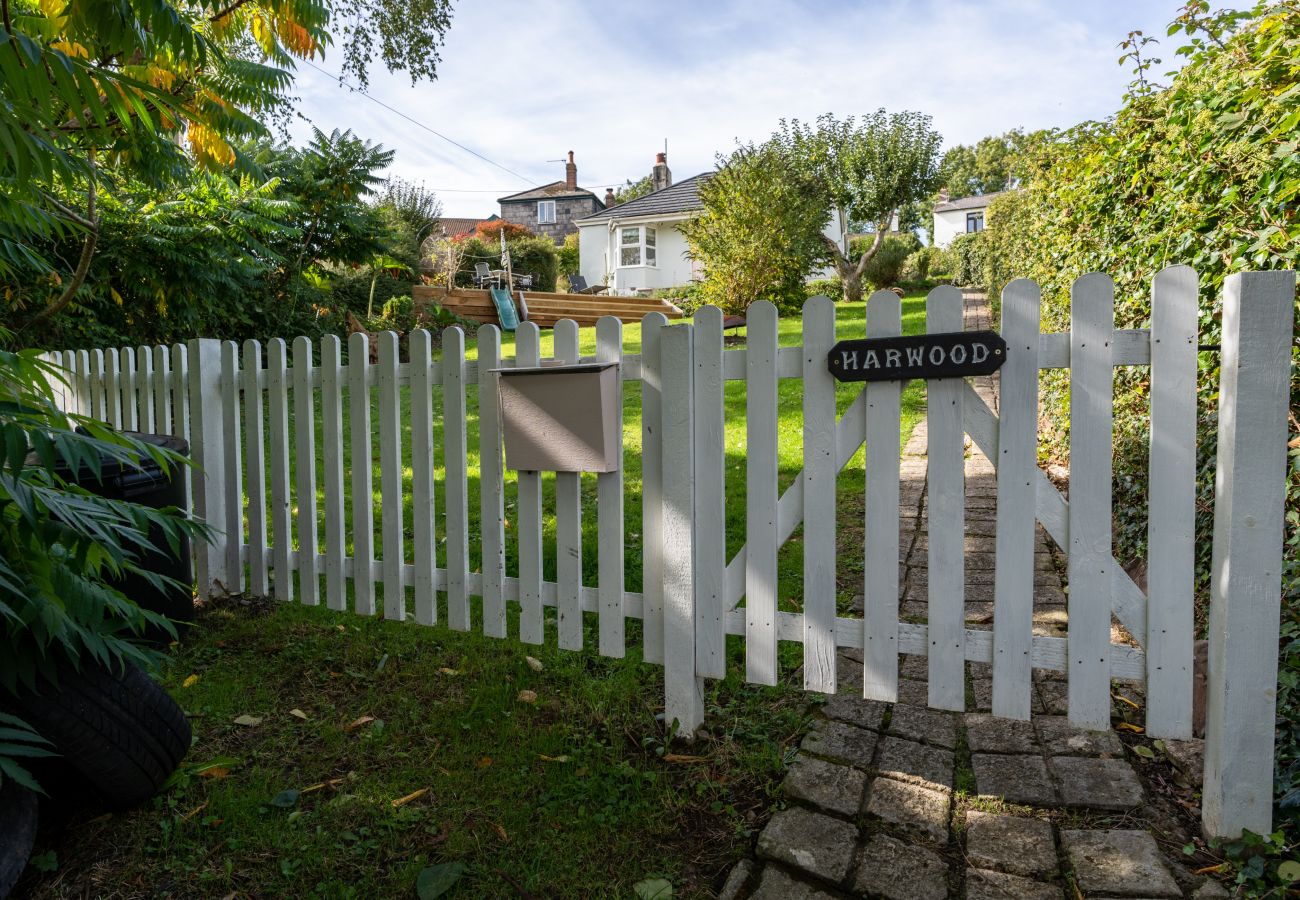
(1203, 171)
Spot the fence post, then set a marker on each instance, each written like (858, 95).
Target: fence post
(1246, 576)
(208, 449)
(683, 691)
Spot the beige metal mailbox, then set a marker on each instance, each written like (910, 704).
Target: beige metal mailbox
(561, 418)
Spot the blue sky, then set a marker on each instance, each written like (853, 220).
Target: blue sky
(524, 82)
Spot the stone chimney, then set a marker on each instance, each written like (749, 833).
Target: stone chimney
(609, 197)
(660, 176)
(571, 173)
(943, 195)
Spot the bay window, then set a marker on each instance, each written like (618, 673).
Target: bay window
(637, 246)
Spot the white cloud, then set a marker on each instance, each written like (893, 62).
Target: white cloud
(523, 82)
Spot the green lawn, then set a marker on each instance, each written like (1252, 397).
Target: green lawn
(573, 794)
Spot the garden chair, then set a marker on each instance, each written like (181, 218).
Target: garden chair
(484, 277)
(578, 285)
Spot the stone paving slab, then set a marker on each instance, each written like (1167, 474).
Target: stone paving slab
(779, 885)
(1060, 738)
(992, 734)
(982, 884)
(1014, 844)
(855, 711)
(811, 842)
(1109, 784)
(1119, 862)
(900, 871)
(842, 743)
(910, 806)
(916, 763)
(1016, 779)
(831, 787)
(928, 726)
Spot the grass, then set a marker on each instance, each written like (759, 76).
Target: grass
(574, 794)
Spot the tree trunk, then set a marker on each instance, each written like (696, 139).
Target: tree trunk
(83, 264)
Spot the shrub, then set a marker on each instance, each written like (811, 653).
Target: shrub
(825, 287)
(567, 259)
(535, 256)
(490, 231)
(968, 259)
(886, 267)
(917, 266)
(688, 297)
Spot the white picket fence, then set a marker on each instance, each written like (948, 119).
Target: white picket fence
(219, 397)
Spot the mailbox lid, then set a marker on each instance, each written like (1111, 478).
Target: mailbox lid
(561, 418)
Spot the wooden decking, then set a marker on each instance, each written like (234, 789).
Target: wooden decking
(544, 308)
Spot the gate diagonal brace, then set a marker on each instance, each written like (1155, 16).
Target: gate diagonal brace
(982, 425)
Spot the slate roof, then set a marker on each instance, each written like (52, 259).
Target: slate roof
(453, 226)
(677, 198)
(547, 192)
(979, 201)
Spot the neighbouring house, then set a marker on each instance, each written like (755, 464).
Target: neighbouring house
(552, 209)
(638, 246)
(453, 227)
(964, 216)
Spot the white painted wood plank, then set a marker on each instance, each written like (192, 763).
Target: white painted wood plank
(180, 404)
(1053, 513)
(456, 467)
(760, 493)
(1171, 524)
(880, 588)
(232, 478)
(652, 514)
(710, 496)
(531, 624)
(255, 467)
(331, 404)
(162, 406)
(277, 400)
(98, 379)
(1246, 568)
(304, 421)
(144, 389)
(390, 477)
(113, 387)
(1017, 466)
(491, 484)
(83, 380)
(819, 511)
(208, 450)
(568, 520)
(609, 512)
(363, 483)
(1092, 319)
(1130, 347)
(946, 496)
(130, 404)
(424, 509)
(683, 690)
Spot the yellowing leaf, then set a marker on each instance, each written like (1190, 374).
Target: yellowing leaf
(248, 721)
(484, 763)
(446, 671)
(554, 759)
(358, 722)
(533, 663)
(681, 758)
(527, 696)
(214, 772)
(298, 713)
(1129, 726)
(190, 681)
(414, 795)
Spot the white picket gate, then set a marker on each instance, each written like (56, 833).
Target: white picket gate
(219, 397)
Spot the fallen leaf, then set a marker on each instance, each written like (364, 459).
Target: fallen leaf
(1289, 871)
(555, 759)
(654, 889)
(333, 782)
(437, 880)
(358, 722)
(484, 762)
(683, 758)
(341, 628)
(501, 832)
(414, 795)
(190, 681)
(527, 696)
(298, 713)
(248, 721)
(194, 812)
(446, 671)
(1129, 726)
(1122, 699)
(1143, 751)
(533, 663)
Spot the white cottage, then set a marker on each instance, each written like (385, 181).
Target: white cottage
(964, 216)
(638, 246)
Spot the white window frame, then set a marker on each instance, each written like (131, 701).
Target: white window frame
(545, 212)
(646, 246)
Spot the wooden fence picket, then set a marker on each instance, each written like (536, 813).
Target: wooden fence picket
(144, 390)
(390, 478)
(491, 484)
(255, 467)
(609, 498)
(880, 588)
(652, 476)
(304, 425)
(99, 383)
(946, 501)
(1092, 323)
(568, 521)
(710, 496)
(331, 406)
(531, 622)
(363, 482)
(457, 486)
(162, 407)
(424, 509)
(113, 387)
(277, 402)
(761, 539)
(180, 406)
(1017, 468)
(233, 476)
(130, 421)
(820, 469)
(1171, 523)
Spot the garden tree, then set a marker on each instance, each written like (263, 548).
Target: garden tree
(491, 230)
(149, 88)
(986, 167)
(870, 168)
(633, 189)
(417, 208)
(760, 233)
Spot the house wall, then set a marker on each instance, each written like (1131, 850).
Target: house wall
(567, 211)
(949, 224)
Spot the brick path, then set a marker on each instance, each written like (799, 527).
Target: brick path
(908, 803)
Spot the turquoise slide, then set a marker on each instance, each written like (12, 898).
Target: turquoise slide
(505, 309)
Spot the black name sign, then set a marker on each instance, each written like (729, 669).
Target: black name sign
(951, 355)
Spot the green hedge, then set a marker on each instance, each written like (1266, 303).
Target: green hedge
(1205, 172)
